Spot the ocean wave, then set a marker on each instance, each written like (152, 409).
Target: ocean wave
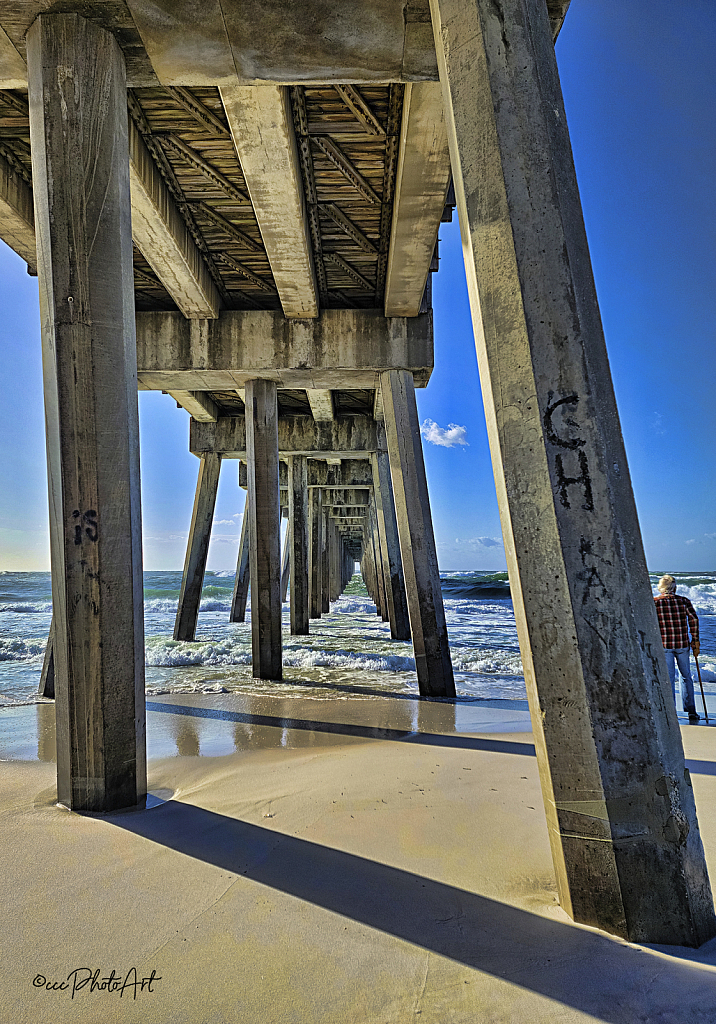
(348, 659)
(475, 585)
(28, 607)
(164, 653)
(491, 663)
(22, 650)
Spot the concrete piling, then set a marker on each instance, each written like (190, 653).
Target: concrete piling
(264, 527)
(625, 840)
(197, 550)
(80, 169)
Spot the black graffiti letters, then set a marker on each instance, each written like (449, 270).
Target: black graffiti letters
(85, 525)
(573, 444)
(549, 428)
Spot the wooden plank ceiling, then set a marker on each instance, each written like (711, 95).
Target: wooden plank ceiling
(348, 145)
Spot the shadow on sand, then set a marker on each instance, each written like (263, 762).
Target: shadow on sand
(578, 968)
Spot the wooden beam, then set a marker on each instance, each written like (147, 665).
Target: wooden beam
(17, 218)
(421, 184)
(161, 235)
(261, 124)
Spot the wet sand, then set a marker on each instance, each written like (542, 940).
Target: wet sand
(372, 860)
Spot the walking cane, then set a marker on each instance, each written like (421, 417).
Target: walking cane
(703, 697)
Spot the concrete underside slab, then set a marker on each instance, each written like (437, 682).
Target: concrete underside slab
(315, 873)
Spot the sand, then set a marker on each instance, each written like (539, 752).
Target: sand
(366, 860)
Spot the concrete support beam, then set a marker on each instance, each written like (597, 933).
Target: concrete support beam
(264, 528)
(261, 125)
(17, 218)
(83, 222)
(325, 563)
(285, 559)
(421, 185)
(380, 571)
(197, 549)
(162, 236)
(620, 808)
(342, 348)
(314, 556)
(198, 404)
(350, 437)
(390, 548)
(321, 402)
(298, 520)
(241, 580)
(417, 541)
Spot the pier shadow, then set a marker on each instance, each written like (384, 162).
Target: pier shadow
(367, 732)
(578, 968)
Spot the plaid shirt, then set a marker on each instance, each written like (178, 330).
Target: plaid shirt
(673, 610)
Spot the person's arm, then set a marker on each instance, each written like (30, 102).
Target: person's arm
(693, 626)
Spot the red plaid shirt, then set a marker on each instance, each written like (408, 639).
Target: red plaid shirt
(676, 614)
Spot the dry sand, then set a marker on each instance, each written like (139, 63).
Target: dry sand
(363, 861)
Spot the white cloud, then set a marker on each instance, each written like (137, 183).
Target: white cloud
(446, 437)
(711, 536)
(658, 424)
(486, 542)
(224, 522)
(692, 541)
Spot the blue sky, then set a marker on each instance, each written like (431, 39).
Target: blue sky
(641, 102)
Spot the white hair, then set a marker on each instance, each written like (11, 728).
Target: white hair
(666, 585)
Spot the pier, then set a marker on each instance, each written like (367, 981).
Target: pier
(246, 218)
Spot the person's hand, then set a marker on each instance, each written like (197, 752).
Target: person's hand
(695, 647)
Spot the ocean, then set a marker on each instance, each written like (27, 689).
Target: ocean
(348, 652)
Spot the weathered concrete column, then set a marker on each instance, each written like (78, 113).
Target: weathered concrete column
(241, 580)
(197, 548)
(325, 564)
(264, 527)
(298, 534)
(80, 162)
(315, 557)
(285, 561)
(620, 807)
(417, 540)
(380, 570)
(390, 548)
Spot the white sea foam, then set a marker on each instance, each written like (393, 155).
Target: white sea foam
(28, 607)
(165, 653)
(16, 649)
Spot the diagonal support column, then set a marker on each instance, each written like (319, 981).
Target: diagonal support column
(390, 548)
(264, 527)
(197, 549)
(315, 558)
(417, 540)
(241, 580)
(620, 808)
(298, 496)
(78, 127)
(286, 564)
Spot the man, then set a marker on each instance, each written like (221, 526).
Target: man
(676, 614)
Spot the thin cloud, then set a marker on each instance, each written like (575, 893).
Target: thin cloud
(711, 536)
(224, 522)
(692, 541)
(446, 437)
